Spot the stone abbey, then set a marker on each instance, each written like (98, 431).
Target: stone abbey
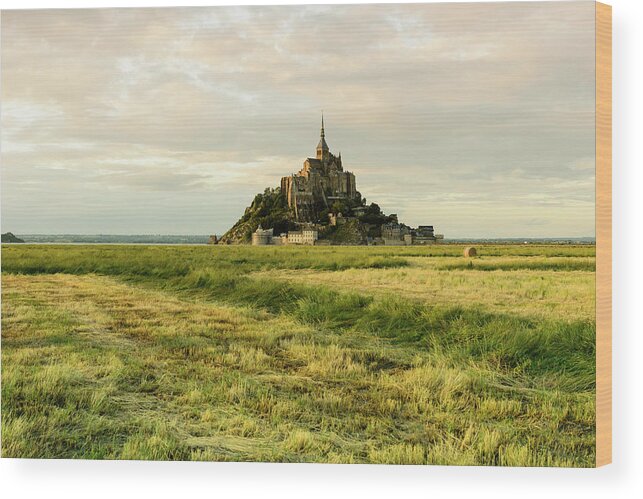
(321, 181)
(320, 204)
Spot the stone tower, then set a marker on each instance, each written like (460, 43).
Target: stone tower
(320, 182)
(322, 147)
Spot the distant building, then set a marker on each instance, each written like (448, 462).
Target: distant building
(262, 237)
(424, 231)
(320, 181)
(266, 237)
(305, 236)
(394, 233)
(424, 235)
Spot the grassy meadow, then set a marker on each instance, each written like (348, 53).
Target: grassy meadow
(397, 355)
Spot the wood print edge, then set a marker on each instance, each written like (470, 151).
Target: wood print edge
(603, 32)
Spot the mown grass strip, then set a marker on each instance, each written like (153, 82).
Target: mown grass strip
(509, 342)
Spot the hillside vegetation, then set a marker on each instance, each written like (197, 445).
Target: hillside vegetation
(401, 355)
(268, 210)
(9, 237)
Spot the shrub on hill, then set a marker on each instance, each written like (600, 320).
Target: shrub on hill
(268, 209)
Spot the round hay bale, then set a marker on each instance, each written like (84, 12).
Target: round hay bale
(470, 252)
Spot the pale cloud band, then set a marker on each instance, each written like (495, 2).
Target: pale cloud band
(477, 118)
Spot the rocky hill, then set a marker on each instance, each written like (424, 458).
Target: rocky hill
(8, 237)
(268, 209)
(322, 194)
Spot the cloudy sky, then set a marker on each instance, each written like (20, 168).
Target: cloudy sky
(476, 118)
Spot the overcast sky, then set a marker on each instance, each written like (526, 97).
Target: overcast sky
(476, 118)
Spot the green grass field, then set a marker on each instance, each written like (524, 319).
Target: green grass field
(320, 354)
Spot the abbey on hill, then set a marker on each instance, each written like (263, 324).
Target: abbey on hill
(320, 204)
(320, 183)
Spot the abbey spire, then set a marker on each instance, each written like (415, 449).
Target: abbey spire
(322, 147)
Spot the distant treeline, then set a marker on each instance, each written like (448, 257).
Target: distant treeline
(115, 238)
(528, 240)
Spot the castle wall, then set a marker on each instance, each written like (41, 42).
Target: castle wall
(262, 237)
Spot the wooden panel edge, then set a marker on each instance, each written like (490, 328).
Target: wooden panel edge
(603, 33)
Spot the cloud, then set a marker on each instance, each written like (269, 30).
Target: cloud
(438, 109)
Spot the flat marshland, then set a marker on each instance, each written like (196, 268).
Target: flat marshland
(399, 355)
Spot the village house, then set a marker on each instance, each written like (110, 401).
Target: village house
(305, 236)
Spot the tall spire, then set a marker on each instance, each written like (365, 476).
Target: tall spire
(322, 147)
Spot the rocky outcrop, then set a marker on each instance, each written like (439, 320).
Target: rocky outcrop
(269, 209)
(8, 237)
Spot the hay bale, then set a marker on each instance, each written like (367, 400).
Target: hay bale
(470, 252)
